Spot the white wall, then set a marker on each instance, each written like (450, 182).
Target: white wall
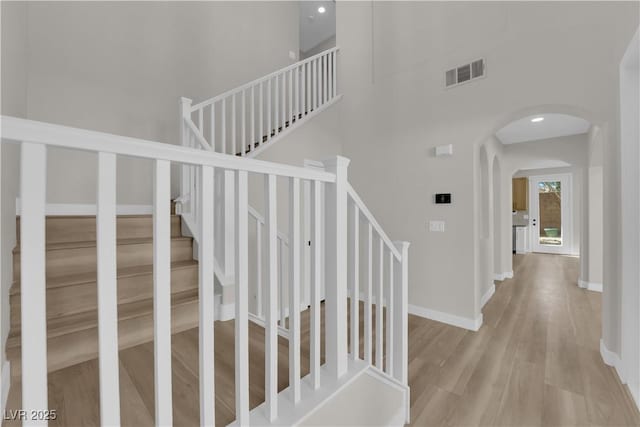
(629, 244)
(121, 67)
(395, 110)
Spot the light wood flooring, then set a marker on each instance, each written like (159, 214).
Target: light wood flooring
(534, 362)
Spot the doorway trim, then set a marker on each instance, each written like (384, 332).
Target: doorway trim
(566, 214)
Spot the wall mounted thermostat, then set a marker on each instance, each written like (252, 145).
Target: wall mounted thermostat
(443, 198)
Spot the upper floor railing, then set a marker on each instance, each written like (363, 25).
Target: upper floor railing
(241, 120)
(337, 219)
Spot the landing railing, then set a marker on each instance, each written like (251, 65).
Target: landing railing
(241, 120)
(337, 215)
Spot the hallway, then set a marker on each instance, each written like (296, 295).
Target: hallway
(535, 361)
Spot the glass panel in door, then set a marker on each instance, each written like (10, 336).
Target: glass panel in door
(550, 213)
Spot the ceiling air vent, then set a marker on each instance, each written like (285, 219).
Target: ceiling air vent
(465, 73)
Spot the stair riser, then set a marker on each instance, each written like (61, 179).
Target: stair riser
(64, 229)
(82, 297)
(77, 347)
(61, 262)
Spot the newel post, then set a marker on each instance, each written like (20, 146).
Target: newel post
(400, 314)
(336, 266)
(185, 111)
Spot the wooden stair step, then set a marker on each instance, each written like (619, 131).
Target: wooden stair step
(70, 258)
(133, 329)
(89, 320)
(78, 293)
(63, 229)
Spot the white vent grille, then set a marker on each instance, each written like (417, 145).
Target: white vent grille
(465, 73)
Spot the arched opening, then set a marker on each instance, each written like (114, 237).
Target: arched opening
(497, 216)
(484, 193)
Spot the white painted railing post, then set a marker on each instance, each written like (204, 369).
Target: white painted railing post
(107, 290)
(185, 113)
(162, 292)
(354, 270)
(400, 315)
(294, 288)
(206, 297)
(316, 282)
(33, 173)
(336, 267)
(242, 296)
(271, 322)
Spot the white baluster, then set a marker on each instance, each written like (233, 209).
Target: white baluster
(297, 93)
(354, 270)
(261, 120)
(400, 313)
(325, 83)
(290, 118)
(201, 120)
(335, 74)
(368, 298)
(33, 173)
(243, 134)
(379, 305)
(304, 89)
(206, 298)
(241, 302)
(316, 284)
(107, 290)
(162, 291)
(253, 119)
(271, 322)
(269, 122)
(234, 147)
(336, 267)
(276, 96)
(315, 84)
(185, 112)
(390, 309)
(294, 288)
(223, 124)
(213, 126)
(284, 102)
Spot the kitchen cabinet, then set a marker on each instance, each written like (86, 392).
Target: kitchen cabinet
(520, 194)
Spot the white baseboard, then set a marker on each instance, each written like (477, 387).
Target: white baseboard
(612, 359)
(590, 286)
(449, 319)
(503, 276)
(5, 384)
(487, 295)
(67, 209)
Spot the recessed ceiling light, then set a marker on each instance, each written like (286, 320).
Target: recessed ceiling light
(321, 9)
(537, 119)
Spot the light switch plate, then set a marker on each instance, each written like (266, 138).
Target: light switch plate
(436, 226)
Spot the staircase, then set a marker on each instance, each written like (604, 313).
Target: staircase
(70, 305)
(71, 293)
(246, 120)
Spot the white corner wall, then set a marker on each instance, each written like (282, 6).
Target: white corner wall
(629, 245)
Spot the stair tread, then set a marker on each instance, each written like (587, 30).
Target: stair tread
(80, 278)
(92, 243)
(86, 320)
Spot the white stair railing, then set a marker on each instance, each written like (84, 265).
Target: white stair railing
(242, 120)
(337, 230)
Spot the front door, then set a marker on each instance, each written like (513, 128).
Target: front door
(550, 213)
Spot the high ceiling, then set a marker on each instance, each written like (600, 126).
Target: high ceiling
(316, 27)
(531, 128)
